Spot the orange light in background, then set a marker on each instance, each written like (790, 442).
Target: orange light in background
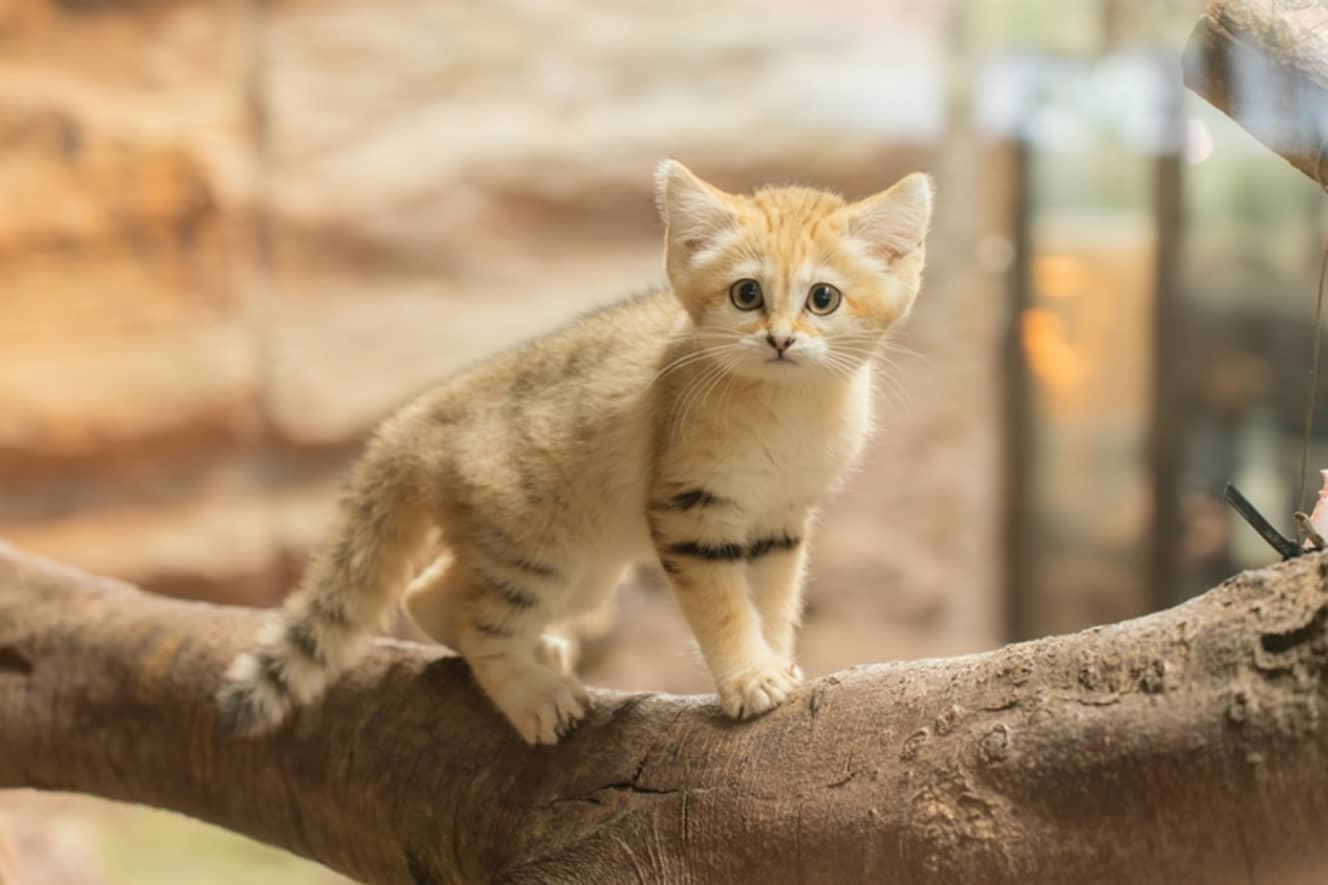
(1051, 357)
(1060, 276)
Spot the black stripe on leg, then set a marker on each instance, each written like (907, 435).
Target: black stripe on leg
(500, 547)
(691, 499)
(532, 567)
(515, 596)
(497, 631)
(762, 546)
(712, 552)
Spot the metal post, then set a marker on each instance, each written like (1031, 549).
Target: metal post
(1020, 593)
(1170, 407)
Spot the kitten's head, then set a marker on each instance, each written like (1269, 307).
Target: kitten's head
(791, 282)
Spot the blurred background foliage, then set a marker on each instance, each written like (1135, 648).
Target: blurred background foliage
(236, 234)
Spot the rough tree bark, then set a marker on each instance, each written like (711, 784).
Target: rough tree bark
(1188, 746)
(1264, 63)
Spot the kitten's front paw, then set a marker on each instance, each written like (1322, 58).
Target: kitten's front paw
(546, 709)
(757, 689)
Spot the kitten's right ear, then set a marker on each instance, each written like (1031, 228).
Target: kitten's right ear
(696, 215)
(894, 222)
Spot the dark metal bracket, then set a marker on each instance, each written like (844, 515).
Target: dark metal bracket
(1286, 547)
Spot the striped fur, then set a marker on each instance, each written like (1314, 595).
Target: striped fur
(679, 425)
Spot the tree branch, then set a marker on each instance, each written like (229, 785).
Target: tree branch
(1264, 63)
(1182, 747)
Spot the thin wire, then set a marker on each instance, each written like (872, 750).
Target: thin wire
(1314, 377)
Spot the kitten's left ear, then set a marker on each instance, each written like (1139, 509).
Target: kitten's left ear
(894, 222)
(696, 214)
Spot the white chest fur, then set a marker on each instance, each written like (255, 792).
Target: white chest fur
(781, 448)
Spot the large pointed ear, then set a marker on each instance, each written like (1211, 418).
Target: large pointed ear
(894, 222)
(696, 215)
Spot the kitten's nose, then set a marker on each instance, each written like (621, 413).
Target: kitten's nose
(780, 343)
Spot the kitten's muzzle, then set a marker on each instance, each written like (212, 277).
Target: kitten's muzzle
(780, 343)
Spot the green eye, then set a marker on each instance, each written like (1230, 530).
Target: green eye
(746, 295)
(823, 299)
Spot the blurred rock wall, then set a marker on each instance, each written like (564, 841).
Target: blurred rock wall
(233, 235)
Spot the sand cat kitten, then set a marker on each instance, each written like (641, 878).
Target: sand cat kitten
(696, 426)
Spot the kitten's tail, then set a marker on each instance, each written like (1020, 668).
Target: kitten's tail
(345, 596)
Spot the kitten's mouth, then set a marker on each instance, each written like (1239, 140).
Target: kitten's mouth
(782, 360)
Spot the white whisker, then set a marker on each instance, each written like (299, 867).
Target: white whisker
(689, 358)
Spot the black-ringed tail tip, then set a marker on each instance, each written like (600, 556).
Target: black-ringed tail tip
(290, 666)
(256, 696)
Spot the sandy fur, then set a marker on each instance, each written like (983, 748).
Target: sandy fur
(655, 429)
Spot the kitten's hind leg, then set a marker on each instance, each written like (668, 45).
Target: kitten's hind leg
(438, 616)
(497, 624)
(524, 674)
